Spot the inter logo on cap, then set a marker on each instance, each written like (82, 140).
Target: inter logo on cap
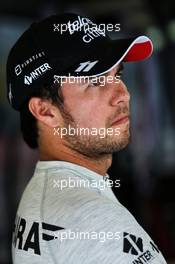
(36, 73)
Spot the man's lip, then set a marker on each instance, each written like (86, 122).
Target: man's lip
(120, 120)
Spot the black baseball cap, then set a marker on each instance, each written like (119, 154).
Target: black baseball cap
(65, 45)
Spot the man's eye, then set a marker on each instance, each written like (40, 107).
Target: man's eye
(93, 83)
(119, 73)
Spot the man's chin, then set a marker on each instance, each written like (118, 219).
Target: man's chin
(114, 146)
(121, 142)
(122, 145)
(96, 146)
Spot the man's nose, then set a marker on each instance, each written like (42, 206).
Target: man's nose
(120, 94)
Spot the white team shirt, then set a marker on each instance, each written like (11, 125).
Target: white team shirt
(68, 214)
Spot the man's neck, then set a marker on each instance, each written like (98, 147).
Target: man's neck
(98, 164)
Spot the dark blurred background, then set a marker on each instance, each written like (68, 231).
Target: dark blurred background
(147, 167)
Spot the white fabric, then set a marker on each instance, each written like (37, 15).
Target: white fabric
(112, 233)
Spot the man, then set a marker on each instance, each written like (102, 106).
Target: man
(68, 212)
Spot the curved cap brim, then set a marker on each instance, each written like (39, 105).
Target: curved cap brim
(111, 53)
(141, 48)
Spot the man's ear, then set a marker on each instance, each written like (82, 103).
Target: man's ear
(45, 111)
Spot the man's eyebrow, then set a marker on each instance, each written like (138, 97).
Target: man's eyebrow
(120, 68)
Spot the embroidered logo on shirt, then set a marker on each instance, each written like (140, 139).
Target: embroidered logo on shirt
(26, 238)
(134, 245)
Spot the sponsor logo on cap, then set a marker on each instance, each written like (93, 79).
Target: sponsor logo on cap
(89, 28)
(19, 67)
(38, 72)
(77, 24)
(86, 66)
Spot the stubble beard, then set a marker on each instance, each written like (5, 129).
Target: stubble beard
(93, 145)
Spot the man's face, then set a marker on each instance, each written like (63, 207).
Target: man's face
(100, 111)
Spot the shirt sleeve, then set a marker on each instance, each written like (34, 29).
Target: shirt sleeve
(99, 231)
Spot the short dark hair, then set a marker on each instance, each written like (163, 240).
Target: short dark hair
(28, 121)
